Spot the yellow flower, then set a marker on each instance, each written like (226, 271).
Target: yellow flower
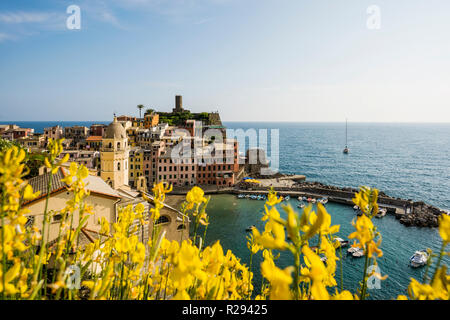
(310, 223)
(280, 280)
(272, 199)
(344, 295)
(444, 228)
(273, 236)
(140, 208)
(195, 195)
(317, 273)
(28, 193)
(364, 230)
(10, 275)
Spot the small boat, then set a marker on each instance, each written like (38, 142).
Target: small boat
(249, 229)
(313, 200)
(305, 199)
(381, 213)
(419, 259)
(352, 250)
(309, 199)
(287, 198)
(300, 199)
(343, 243)
(358, 253)
(301, 205)
(241, 196)
(355, 207)
(253, 197)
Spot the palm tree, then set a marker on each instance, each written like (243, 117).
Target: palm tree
(140, 107)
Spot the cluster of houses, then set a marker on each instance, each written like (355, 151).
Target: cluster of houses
(126, 157)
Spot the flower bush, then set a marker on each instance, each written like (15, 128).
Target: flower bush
(119, 266)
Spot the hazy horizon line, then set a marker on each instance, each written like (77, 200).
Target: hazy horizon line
(251, 121)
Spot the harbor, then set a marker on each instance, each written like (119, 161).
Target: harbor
(407, 212)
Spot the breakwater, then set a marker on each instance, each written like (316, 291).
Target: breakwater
(408, 212)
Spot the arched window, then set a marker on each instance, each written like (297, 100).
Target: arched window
(118, 166)
(110, 145)
(181, 227)
(118, 145)
(163, 220)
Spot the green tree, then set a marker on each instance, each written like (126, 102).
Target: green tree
(140, 107)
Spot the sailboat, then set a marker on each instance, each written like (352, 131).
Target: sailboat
(346, 149)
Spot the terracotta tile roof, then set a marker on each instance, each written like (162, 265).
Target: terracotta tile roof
(94, 138)
(40, 183)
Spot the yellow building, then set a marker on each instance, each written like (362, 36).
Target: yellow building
(102, 198)
(136, 166)
(114, 155)
(132, 134)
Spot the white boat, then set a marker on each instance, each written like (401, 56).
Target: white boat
(287, 198)
(313, 200)
(346, 149)
(352, 250)
(355, 207)
(419, 259)
(358, 254)
(343, 243)
(381, 213)
(301, 205)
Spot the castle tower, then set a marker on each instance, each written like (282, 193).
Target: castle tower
(114, 155)
(178, 104)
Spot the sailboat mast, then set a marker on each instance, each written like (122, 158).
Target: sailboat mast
(346, 144)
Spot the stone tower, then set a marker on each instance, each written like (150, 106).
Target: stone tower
(114, 155)
(178, 104)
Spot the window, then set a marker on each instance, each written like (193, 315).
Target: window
(162, 220)
(181, 227)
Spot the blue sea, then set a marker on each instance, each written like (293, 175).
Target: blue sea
(410, 161)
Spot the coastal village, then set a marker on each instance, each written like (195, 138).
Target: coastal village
(127, 157)
(131, 154)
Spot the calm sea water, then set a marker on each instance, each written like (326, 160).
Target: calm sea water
(230, 217)
(39, 126)
(411, 161)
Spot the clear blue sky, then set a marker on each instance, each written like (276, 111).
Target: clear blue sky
(253, 60)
